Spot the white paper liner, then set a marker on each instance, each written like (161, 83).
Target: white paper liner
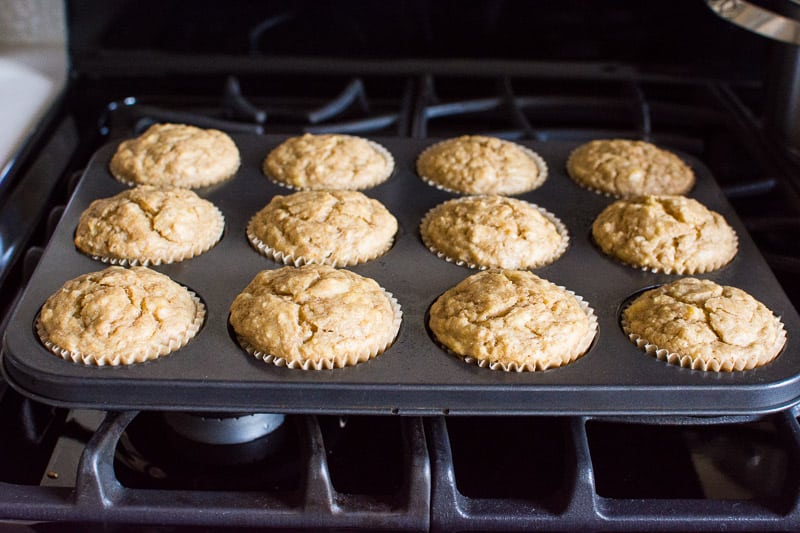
(609, 194)
(198, 185)
(560, 228)
(153, 352)
(682, 271)
(198, 249)
(339, 361)
(536, 366)
(541, 176)
(377, 180)
(298, 260)
(706, 365)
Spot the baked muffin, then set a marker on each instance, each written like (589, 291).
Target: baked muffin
(149, 225)
(494, 231)
(314, 316)
(512, 320)
(622, 168)
(176, 154)
(336, 228)
(119, 316)
(705, 326)
(671, 234)
(475, 164)
(329, 161)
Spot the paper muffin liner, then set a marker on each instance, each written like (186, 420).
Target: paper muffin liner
(377, 180)
(339, 361)
(560, 228)
(178, 256)
(609, 194)
(299, 260)
(541, 176)
(153, 352)
(566, 359)
(197, 185)
(681, 271)
(706, 365)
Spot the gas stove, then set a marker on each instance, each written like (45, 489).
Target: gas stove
(409, 71)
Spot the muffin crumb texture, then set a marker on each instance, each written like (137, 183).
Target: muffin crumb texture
(314, 316)
(176, 154)
(702, 325)
(671, 234)
(149, 224)
(512, 320)
(328, 161)
(119, 316)
(621, 168)
(494, 232)
(338, 228)
(474, 164)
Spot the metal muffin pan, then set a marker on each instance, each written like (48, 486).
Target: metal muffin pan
(415, 376)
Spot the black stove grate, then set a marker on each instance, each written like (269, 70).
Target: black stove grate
(470, 474)
(604, 484)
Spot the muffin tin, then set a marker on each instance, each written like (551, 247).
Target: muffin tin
(415, 376)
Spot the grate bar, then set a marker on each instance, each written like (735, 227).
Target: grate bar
(99, 497)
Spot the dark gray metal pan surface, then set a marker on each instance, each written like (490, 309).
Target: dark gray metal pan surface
(415, 376)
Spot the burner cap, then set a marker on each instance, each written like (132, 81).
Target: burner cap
(234, 429)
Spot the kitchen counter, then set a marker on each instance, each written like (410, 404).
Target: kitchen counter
(31, 78)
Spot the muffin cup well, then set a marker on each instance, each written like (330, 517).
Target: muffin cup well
(706, 365)
(152, 352)
(609, 194)
(560, 228)
(197, 185)
(197, 249)
(684, 271)
(340, 361)
(299, 260)
(583, 347)
(377, 180)
(540, 163)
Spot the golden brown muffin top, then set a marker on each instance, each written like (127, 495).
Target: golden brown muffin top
(475, 164)
(622, 167)
(119, 315)
(149, 224)
(494, 231)
(720, 327)
(176, 154)
(329, 161)
(671, 234)
(315, 313)
(512, 319)
(337, 228)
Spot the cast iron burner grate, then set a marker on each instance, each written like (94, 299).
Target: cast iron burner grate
(456, 474)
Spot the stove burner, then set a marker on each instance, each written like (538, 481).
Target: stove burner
(183, 450)
(225, 429)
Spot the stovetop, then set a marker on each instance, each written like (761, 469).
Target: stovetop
(91, 469)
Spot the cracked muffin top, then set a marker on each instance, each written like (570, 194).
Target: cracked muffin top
(119, 316)
(705, 326)
(336, 228)
(671, 234)
(495, 232)
(621, 167)
(474, 164)
(328, 161)
(514, 320)
(314, 316)
(176, 154)
(149, 225)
